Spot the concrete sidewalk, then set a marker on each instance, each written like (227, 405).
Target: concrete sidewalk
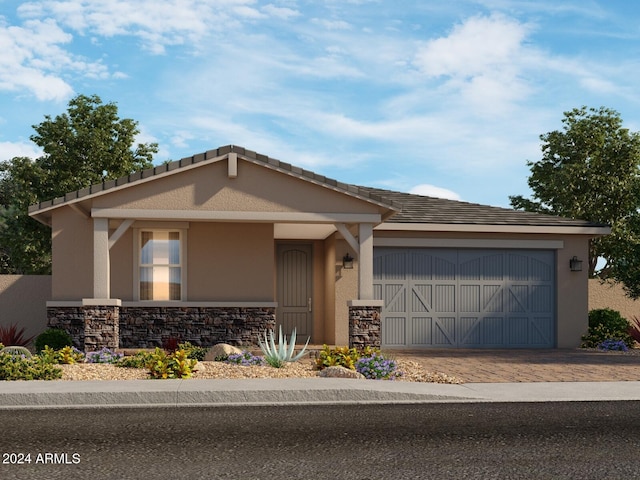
(310, 391)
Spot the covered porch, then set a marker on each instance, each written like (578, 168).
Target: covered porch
(216, 250)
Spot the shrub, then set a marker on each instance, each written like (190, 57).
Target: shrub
(342, 356)
(193, 351)
(14, 367)
(11, 336)
(66, 355)
(139, 360)
(174, 365)
(103, 356)
(54, 338)
(377, 367)
(606, 324)
(613, 345)
(245, 359)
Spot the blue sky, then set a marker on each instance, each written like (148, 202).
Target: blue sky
(444, 98)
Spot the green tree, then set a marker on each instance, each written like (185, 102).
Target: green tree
(590, 170)
(88, 144)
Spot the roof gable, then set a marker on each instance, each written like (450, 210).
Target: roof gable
(160, 173)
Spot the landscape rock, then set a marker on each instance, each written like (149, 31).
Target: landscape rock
(220, 350)
(340, 372)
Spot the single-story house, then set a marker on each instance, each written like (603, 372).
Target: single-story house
(225, 244)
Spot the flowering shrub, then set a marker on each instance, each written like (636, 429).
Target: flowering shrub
(103, 356)
(245, 359)
(377, 367)
(611, 344)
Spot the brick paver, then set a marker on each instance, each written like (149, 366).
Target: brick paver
(497, 366)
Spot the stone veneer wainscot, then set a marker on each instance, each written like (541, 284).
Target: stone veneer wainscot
(92, 328)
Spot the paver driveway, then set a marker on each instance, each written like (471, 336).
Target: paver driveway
(558, 365)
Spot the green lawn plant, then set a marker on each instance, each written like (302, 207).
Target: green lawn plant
(139, 360)
(66, 355)
(17, 367)
(193, 351)
(278, 356)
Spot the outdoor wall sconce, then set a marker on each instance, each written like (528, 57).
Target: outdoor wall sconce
(347, 262)
(575, 265)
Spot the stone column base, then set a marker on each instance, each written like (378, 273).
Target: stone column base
(365, 323)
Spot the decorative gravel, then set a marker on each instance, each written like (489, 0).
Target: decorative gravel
(412, 372)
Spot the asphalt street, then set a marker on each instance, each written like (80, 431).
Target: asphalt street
(586, 440)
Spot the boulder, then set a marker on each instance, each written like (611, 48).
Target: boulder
(340, 372)
(221, 350)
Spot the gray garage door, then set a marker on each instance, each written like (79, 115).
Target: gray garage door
(466, 298)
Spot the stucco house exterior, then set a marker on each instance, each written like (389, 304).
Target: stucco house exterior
(224, 244)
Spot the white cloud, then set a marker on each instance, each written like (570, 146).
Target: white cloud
(32, 59)
(8, 150)
(157, 24)
(432, 191)
(282, 13)
(473, 48)
(483, 59)
(332, 24)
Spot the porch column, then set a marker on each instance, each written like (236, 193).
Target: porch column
(101, 283)
(364, 313)
(365, 262)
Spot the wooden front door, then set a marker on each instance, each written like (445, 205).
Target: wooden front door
(295, 308)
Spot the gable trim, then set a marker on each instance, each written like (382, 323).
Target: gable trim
(233, 216)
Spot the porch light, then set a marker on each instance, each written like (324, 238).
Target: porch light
(347, 262)
(575, 264)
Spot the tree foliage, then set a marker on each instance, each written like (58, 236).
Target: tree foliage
(87, 145)
(590, 170)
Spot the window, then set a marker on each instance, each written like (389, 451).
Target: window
(160, 265)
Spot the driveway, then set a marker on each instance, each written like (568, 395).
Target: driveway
(499, 366)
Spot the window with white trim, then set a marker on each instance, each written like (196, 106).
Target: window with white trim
(160, 266)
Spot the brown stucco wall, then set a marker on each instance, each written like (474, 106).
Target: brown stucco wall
(72, 250)
(230, 262)
(22, 302)
(573, 294)
(611, 295)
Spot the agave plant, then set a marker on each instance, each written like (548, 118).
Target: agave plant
(277, 356)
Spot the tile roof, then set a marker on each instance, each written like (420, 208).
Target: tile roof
(421, 209)
(410, 208)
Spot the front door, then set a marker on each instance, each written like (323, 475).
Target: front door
(294, 290)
